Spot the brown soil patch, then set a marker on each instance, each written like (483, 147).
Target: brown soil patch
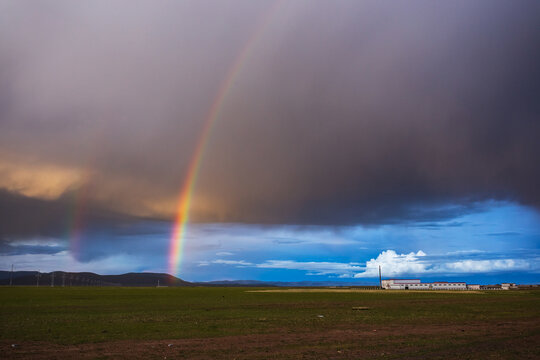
(505, 340)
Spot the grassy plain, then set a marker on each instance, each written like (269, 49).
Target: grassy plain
(198, 322)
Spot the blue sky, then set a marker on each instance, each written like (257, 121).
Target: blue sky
(497, 242)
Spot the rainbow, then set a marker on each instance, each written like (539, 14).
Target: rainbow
(177, 240)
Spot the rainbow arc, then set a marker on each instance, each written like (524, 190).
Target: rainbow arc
(176, 248)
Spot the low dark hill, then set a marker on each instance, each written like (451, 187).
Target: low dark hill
(146, 279)
(90, 279)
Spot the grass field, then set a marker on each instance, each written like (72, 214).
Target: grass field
(197, 322)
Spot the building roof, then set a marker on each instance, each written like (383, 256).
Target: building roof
(402, 282)
(438, 283)
(403, 279)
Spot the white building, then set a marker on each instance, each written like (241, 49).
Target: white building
(416, 284)
(444, 285)
(399, 283)
(508, 286)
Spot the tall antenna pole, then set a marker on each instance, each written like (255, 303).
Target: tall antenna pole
(380, 278)
(11, 276)
(37, 277)
(52, 279)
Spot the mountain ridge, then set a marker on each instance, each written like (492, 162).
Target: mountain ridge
(143, 279)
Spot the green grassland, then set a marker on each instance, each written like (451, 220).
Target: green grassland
(78, 315)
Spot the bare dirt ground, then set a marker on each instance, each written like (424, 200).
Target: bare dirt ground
(505, 340)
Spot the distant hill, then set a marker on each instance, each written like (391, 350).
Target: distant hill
(90, 279)
(235, 283)
(145, 279)
(257, 283)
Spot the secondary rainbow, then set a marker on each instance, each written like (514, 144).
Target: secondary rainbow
(177, 240)
(77, 216)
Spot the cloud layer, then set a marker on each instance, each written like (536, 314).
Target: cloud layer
(344, 113)
(464, 249)
(393, 264)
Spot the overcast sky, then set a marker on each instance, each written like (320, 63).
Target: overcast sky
(344, 117)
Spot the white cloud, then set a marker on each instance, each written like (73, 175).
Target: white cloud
(394, 264)
(241, 263)
(37, 241)
(224, 253)
(419, 263)
(313, 267)
(481, 266)
(465, 252)
(344, 270)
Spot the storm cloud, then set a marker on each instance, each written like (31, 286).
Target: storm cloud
(342, 113)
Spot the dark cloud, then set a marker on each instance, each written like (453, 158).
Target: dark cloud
(372, 120)
(343, 112)
(23, 217)
(89, 231)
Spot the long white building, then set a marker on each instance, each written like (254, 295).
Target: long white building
(416, 284)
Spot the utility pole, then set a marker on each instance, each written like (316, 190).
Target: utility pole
(11, 276)
(380, 278)
(52, 279)
(37, 277)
